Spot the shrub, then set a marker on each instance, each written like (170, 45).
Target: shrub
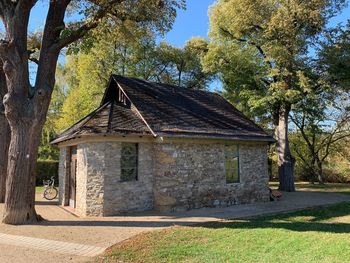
(45, 170)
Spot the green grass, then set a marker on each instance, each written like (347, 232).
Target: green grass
(315, 235)
(328, 187)
(39, 189)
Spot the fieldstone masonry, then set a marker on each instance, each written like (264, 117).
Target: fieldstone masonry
(171, 177)
(191, 176)
(63, 172)
(122, 197)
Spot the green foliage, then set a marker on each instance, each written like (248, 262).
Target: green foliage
(260, 49)
(242, 75)
(334, 56)
(155, 16)
(45, 170)
(47, 151)
(182, 66)
(85, 89)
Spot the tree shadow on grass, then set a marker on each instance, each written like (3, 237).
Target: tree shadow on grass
(337, 228)
(318, 220)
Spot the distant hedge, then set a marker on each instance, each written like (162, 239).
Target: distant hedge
(45, 170)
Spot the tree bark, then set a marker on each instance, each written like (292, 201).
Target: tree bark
(5, 137)
(320, 176)
(20, 186)
(286, 161)
(25, 110)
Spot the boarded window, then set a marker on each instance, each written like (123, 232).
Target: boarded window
(232, 163)
(129, 162)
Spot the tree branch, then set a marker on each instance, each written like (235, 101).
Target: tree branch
(252, 43)
(77, 34)
(302, 131)
(35, 60)
(93, 23)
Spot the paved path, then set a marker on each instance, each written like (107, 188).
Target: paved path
(51, 246)
(99, 233)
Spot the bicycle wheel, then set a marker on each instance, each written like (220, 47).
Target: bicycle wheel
(50, 193)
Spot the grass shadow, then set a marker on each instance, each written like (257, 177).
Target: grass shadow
(322, 219)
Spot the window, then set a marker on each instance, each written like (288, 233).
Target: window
(129, 162)
(232, 163)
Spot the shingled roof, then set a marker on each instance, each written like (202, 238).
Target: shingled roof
(133, 106)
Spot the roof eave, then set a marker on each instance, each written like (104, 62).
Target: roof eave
(268, 139)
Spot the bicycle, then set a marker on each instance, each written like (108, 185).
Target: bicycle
(50, 192)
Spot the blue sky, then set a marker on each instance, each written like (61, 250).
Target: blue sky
(191, 22)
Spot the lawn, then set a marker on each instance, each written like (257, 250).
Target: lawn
(39, 189)
(328, 187)
(315, 235)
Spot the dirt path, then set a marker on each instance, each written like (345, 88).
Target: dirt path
(104, 232)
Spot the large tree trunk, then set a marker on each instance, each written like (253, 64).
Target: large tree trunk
(320, 176)
(26, 110)
(4, 137)
(20, 187)
(4, 145)
(286, 161)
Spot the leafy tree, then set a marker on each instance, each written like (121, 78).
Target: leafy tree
(274, 37)
(322, 117)
(182, 66)
(322, 122)
(47, 151)
(26, 107)
(334, 56)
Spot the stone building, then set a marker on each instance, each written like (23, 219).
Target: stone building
(152, 146)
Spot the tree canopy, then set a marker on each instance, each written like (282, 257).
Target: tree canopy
(261, 50)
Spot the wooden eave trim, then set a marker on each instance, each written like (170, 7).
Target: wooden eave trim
(151, 139)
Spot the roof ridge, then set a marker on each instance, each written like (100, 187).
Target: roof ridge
(162, 83)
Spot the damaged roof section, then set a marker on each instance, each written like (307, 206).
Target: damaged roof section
(133, 106)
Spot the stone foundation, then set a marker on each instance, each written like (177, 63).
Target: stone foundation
(171, 177)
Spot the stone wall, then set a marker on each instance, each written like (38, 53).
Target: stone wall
(63, 171)
(171, 177)
(99, 190)
(90, 179)
(121, 197)
(191, 176)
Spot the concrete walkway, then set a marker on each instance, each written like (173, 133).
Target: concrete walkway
(51, 246)
(68, 238)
